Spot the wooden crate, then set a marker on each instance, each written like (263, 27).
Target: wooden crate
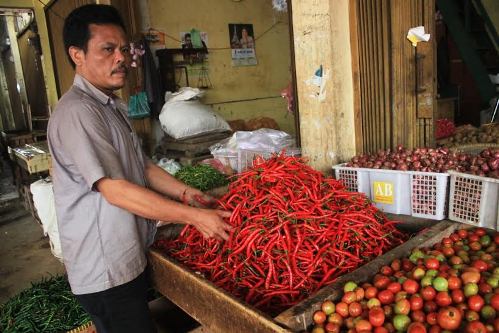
(33, 158)
(219, 311)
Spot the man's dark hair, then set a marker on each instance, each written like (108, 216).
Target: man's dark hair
(76, 30)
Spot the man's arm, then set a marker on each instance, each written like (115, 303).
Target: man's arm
(144, 202)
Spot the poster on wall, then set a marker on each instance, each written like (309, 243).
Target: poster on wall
(242, 44)
(194, 39)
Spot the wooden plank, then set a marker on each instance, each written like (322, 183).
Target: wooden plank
(215, 309)
(366, 104)
(379, 75)
(357, 102)
(386, 41)
(300, 316)
(362, 76)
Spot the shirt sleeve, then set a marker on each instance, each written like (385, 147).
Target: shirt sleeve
(85, 137)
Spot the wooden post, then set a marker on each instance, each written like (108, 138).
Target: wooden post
(322, 39)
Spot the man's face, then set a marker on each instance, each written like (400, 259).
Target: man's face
(106, 62)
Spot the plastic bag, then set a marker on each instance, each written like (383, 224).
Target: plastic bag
(138, 107)
(169, 166)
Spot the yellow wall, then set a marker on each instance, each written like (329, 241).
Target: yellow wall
(262, 83)
(492, 8)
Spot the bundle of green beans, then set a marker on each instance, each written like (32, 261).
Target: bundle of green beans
(202, 176)
(48, 306)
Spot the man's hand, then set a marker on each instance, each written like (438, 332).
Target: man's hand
(196, 198)
(211, 224)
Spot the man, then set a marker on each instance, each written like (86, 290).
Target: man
(106, 190)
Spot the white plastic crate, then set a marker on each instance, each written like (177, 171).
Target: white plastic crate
(420, 194)
(355, 179)
(245, 157)
(429, 194)
(474, 200)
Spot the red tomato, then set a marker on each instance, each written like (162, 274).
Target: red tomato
(432, 263)
(481, 265)
(448, 252)
(335, 318)
(449, 318)
(349, 297)
(394, 287)
(382, 282)
(457, 296)
(471, 315)
(386, 297)
(332, 328)
(431, 318)
(407, 265)
(443, 299)
(359, 294)
(475, 327)
(416, 328)
(386, 270)
(418, 316)
(370, 292)
(496, 324)
(428, 293)
(416, 302)
(463, 233)
(396, 265)
(355, 309)
(454, 282)
(480, 232)
(342, 309)
(435, 329)
(476, 303)
(473, 238)
(496, 238)
(319, 317)
(485, 288)
(410, 286)
(380, 330)
(454, 237)
(446, 241)
(430, 306)
(363, 325)
(377, 317)
(494, 301)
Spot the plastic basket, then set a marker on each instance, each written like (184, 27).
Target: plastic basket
(429, 194)
(389, 190)
(245, 157)
(474, 200)
(355, 179)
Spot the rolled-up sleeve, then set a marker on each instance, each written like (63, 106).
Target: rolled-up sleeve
(85, 138)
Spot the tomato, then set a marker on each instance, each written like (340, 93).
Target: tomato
(470, 277)
(394, 287)
(446, 241)
(342, 309)
(318, 329)
(410, 286)
(335, 318)
(475, 327)
(463, 233)
(453, 282)
(376, 317)
(416, 302)
(380, 330)
(475, 246)
(449, 318)
(481, 265)
(494, 301)
(440, 284)
(473, 238)
(418, 273)
(363, 325)
(484, 288)
(430, 306)
(455, 260)
(431, 318)
(428, 293)
(480, 231)
(370, 292)
(396, 265)
(496, 238)
(418, 316)
(443, 299)
(386, 297)
(355, 309)
(400, 295)
(432, 263)
(402, 306)
(448, 251)
(407, 265)
(496, 324)
(471, 315)
(401, 322)
(349, 297)
(359, 294)
(488, 312)
(386, 270)
(462, 307)
(373, 302)
(476, 303)
(435, 329)
(319, 317)
(388, 310)
(332, 328)
(457, 296)
(382, 282)
(416, 328)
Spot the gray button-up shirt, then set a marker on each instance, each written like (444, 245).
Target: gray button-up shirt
(90, 138)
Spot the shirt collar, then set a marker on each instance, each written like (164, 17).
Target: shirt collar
(90, 89)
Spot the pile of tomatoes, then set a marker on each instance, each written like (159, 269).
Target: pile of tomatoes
(453, 286)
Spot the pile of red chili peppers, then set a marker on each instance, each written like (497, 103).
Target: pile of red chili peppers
(294, 232)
